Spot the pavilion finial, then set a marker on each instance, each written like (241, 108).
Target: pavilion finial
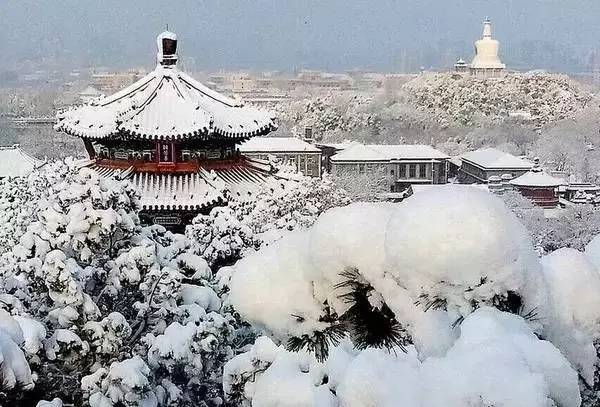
(167, 48)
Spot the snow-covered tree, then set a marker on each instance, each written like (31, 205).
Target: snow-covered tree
(571, 227)
(111, 313)
(470, 100)
(282, 205)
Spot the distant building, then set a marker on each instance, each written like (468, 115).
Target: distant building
(401, 165)
(461, 66)
(580, 193)
(321, 80)
(89, 94)
(292, 151)
(487, 63)
(109, 83)
(538, 186)
(478, 166)
(329, 150)
(15, 162)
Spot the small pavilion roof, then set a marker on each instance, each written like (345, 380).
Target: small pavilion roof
(537, 178)
(14, 162)
(166, 104)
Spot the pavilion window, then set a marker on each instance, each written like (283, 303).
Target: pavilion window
(422, 170)
(361, 168)
(412, 171)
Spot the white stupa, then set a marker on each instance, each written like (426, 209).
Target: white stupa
(487, 62)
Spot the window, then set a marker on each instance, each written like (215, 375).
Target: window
(361, 168)
(412, 171)
(402, 171)
(422, 170)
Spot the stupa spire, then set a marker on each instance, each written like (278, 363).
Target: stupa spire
(487, 28)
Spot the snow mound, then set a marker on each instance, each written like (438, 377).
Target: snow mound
(462, 247)
(500, 360)
(574, 316)
(592, 251)
(469, 238)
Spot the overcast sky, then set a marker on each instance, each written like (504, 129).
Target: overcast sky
(288, 34)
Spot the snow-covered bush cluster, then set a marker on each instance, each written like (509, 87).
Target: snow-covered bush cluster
(20, 196)
(282, 205)
(448, 280)
(571, 227)
(104, 311)
(464, 99)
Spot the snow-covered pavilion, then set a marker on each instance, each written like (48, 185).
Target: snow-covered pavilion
(539, 186)
(175, 138)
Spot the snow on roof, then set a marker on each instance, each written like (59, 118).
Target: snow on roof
(339, 146)
(166, 104)
(277, 144)
(495, 159)
(193, 191)
(14, 162)
(386, 152)
(537, 178)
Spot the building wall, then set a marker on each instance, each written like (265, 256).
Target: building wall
(307, 163)
(398, 174)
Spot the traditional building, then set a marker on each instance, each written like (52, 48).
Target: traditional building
(174, 138)
(538, 186)
(461, 66)
(401, 165)
(89, 94)
(480, 165)
(15, 162)
(291, 151)
(486, 62)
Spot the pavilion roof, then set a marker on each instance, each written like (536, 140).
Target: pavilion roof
(193, 191)
(166, 104)
(537, 178)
